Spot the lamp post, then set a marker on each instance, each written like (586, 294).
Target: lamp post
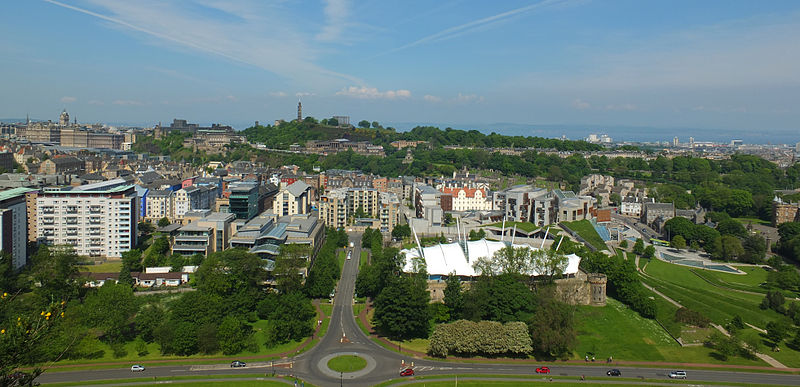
(341, 378)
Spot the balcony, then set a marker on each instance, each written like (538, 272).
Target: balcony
(48, 221)
(72, 220)
(95, 220)
(95, 209)
(71, 210)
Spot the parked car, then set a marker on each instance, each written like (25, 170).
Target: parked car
(677, 375)
(407, 372)
(351, 245)
(543, 370)
(349, 254)
(237, 363)
(614, 372)
(137, 368)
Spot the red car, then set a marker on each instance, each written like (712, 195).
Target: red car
(543, 370)
(407, 372)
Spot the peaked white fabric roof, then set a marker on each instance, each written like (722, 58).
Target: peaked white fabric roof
(444, 259)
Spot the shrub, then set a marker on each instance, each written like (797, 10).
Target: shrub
(485, 338)
(691, 317)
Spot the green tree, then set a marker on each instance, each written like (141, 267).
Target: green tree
(502, 298)
(638, 246)
(233, 335)
(146, 227)
(731, 227)
(56, 270)
(111, 308)
(649, 252)
(731, 248)
(207, 341)
(376, 125)
(292, 316)
(363, 124)
(778, 330)
(552, 328)
(678, 242)
(288, 264)
(333, 121)
(615, 198)
(401, 231)
(623, 244)
(453, 297)
(164, 222)
(754, 249)
(401, 309)
(148, 319)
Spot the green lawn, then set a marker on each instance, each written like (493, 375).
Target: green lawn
(327, 308)
(524, 226)
(362, 260)
(342, 255)
(614, 330)
(786, 355)
(585, 229)
(719, 305)
(347, 363)
(154, 354)
(195, 380)
(745, 221)
(107, 267)
(750, 282)
(419, 345)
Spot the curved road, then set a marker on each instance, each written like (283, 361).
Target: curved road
(345, 337)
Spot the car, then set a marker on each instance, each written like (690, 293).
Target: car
(614, 372)
(351, 245)
(543, 370)
(349, 254)
(237, 364)
(677, 375)
(407, 372)
(137, 368)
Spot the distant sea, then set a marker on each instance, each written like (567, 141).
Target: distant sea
(621, 133)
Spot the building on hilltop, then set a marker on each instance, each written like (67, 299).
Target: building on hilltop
(783, 212)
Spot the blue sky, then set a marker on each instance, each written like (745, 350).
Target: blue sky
(712, 65)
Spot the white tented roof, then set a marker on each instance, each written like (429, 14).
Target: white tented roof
(444, 259)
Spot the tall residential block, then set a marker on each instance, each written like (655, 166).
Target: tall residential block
(13, 225)
(98, 220)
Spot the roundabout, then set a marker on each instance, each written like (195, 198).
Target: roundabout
(336, 365)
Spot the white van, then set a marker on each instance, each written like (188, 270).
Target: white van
(677, 375)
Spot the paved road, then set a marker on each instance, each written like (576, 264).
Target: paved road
(344, 336)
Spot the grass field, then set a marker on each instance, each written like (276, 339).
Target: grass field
(342, 255)
(615, 330)
(154, 354)
(691, 291)
(107, 267)
(745, 221)
(196, 380)
(585, 229)
(524, 226)
(750, 282)
(327, 308)
(347, 363)
(362, 260)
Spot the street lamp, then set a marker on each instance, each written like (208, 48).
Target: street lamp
(341, 378)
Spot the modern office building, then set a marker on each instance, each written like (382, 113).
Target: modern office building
(204, 236)
(98, 220)
(243, 200)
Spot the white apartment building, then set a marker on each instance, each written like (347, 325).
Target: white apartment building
(469, 199)
(98, 220)
(292, 200)
(159, 205)
(191, 198)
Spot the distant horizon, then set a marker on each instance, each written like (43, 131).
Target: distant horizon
(618, 133)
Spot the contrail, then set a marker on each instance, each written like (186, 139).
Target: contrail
(467, 27)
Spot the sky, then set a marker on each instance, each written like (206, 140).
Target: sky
(710, 66)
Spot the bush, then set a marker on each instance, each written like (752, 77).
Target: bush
(141, 347)
(485, 338)
(691, 317)
(118, 349)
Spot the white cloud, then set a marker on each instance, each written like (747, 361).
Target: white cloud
(337, 13)
(231, 98)
(622, 107)
(68, 99)
(96, 102)
(373, 93)
(303, 94)
(278, 94)
(581, 104)
(127, 102)
(254, 33)
(432, 98)
(467, 98)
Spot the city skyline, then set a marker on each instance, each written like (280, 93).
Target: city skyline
(716, 65)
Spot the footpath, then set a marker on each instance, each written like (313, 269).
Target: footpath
(282, 355)
(362, 317)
